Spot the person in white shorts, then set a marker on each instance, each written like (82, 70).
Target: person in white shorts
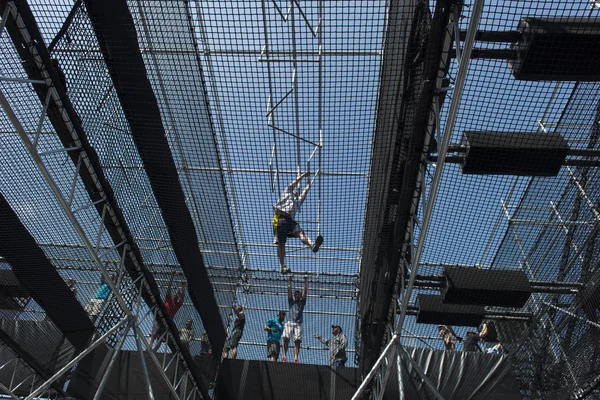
(293, 327)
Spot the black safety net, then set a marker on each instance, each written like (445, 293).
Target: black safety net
(197, 115)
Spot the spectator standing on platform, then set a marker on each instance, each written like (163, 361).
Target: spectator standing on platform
(236, 333)
(285, 226)
(94, 307)
(205, 346)
(173, 304)
(293, 327)
(337, 346)
(448, 335)
(487, 331)
(274, 327)
(471, 341)
(186, 334)
(71, 285)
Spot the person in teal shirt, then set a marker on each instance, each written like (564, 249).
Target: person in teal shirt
(95, 306)
(274, 328)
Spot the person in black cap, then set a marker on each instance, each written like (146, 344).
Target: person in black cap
(471, 342)
(337, 346)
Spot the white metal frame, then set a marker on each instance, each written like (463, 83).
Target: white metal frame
(92, 245)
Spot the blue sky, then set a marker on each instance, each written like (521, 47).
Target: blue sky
(467, 207)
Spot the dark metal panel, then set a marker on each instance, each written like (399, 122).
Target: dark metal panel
(386, 229)
(38, 275)
(115, 29)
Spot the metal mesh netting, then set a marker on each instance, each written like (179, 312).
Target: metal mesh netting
(333, 274)
(252, 94)
(282, 79)
(545, 226)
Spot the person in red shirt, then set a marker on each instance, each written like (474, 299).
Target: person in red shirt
(173, 303)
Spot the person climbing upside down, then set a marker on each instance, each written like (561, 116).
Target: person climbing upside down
(285, 226)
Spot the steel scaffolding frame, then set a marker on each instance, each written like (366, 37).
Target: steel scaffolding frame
(541, 303)
(272, 104)
(92, 244)
(463, 57)
(15, 363)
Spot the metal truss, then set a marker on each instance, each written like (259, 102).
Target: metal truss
(463, 57)
(17, 381)
(131, 310)
(544, 305)
(393, 352)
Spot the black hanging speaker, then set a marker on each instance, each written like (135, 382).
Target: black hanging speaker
(433, 311)
(557, 49)
(513, 153)
(486, 287)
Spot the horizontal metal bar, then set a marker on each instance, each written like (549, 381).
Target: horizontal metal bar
(275, 310)
(213, 267)
(247, 244)
(14, 132)
(316, 257)
(442, 264)
(547, 223)
(576, 162)
(584, 152)
(448, 159)
(304, 272)
(22, 80)
(245, 284)
(170, 267)
(233, 51)
(284, 293)
(202, 244)
(490, 54)
(284, 60)
(62, 150)
(495, 36)
(242, 170)
(575, 285)
(302, 347)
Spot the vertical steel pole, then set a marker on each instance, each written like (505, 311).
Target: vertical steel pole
(112, 361)
(373, 371)
(144, 367)
(400, 381)
(270, 78)
(295, 85)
